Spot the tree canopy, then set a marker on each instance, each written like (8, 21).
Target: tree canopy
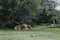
(27, 11)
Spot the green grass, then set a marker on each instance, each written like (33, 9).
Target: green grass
(46, 29)
(36, 33)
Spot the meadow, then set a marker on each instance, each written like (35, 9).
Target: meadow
(36, 33)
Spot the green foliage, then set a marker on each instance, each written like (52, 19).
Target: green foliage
(13, 12)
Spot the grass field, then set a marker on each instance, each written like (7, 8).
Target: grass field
(36, 33)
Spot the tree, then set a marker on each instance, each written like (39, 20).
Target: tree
(13, 12)
(46, 11)
(16, 11)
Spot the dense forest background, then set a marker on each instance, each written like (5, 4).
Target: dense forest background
(32, 12)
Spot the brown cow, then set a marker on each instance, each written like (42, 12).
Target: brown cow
(22, 27)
